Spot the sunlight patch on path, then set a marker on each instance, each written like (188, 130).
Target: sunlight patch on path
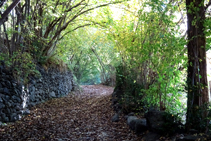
(95, 91)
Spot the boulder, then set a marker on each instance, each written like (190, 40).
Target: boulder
(155, 120)
(136, 124)
(131, 114)
(115, 118)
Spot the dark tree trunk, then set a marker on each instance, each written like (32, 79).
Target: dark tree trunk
(8, 10)
(210, 88)
(197, 72)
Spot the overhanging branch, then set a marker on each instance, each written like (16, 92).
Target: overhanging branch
(76, 16)
(81, 27)
(74, 30)
(8, 10)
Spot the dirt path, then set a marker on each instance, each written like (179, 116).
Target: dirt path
(84, 116)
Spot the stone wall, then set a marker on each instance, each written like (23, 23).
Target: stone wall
(16, 99)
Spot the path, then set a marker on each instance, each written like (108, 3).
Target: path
(85, 116)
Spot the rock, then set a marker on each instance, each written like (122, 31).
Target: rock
(18, 107)
(131, 114)
(8, 104)
(6, 91)
(6, 98)
(1, 90)
(8, 84)
(1, 100)
(155, 120)
(103, 135)
(33, 90)
(117, 107)
(32, 98)
(33, 82)
(115, 118)
(131, 121)
(138, 125)
(52, 94)
(17, 92)
(193, 131)
(2, 105)
(4, 118)
(151, 137)
(26, 112)
(39, 80)
(16, 99)
(39, 90)
(13, 117)
(14, 84)
(189, 138)
(8, 110)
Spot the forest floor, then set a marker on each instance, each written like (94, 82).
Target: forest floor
(80, 116)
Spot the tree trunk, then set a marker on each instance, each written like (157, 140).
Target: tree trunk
(197, 72)
(8, 10)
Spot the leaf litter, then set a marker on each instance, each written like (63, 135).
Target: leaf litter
(80, 116)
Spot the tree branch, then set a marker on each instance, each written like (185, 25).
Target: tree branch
(74, 30)
(73, 18)
(8, 10)
(78, 4)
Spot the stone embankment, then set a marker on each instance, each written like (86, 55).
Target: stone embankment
(16, 99)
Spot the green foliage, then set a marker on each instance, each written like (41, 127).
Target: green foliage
(172, 123)
(196, 119)
(131, 98)
(22, 65)
(152, 53)
(88, 54)
(207, 25)
(41, 28)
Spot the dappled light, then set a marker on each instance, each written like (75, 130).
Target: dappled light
(105, 70)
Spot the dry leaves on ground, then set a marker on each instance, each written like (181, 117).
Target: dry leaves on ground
(80, 116)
